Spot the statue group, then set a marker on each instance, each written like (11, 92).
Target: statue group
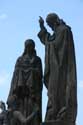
(25, 96)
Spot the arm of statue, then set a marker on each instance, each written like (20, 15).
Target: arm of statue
(61, 37)
(32, 115)
(58, 39)
(43, 34)
(18, 115)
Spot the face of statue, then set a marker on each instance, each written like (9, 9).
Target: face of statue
(50, 24)
(52, 21)
(30, 49)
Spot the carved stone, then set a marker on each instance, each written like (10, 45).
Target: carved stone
(60, 70)
(58, 123)
(3, 114)
(25, 96)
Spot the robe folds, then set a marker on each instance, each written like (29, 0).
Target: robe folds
(26, 84)
(60, 72)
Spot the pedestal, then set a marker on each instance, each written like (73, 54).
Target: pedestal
(58, 123)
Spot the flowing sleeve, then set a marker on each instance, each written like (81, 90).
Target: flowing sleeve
(43, 35)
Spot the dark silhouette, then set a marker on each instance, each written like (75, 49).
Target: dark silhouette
(14, 114)
(60, 70)
(26, 85)
(3, 114)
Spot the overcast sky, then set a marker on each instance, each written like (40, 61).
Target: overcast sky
(19, 21)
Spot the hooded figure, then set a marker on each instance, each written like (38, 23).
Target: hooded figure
(60, 69)
(27, 83)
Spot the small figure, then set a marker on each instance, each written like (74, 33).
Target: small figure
(3, 114)
(14, 114)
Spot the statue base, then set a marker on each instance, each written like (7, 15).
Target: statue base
(58, 123)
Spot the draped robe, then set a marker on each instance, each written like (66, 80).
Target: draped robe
(26, 84)
(60, 72)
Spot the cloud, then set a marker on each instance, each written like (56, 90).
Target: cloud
(3, 78)
(3, 16)
(80, 84)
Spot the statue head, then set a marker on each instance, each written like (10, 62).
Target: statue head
(29, 43)
(29, 46)
(12, 102)
(52, 20)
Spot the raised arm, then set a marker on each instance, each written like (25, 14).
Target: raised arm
(43, 34)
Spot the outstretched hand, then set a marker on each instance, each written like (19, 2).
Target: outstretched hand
(41, 22)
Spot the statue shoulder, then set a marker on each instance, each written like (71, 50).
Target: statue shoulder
(65, 28)
(19, 59)
(38, 59)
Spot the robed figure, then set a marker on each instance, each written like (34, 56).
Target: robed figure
(60, 69)
(26, 85)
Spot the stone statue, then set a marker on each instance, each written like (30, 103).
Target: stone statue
(3, 114)
(60, 69)
(26, 86)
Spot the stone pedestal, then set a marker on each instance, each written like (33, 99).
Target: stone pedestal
(58, 123)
